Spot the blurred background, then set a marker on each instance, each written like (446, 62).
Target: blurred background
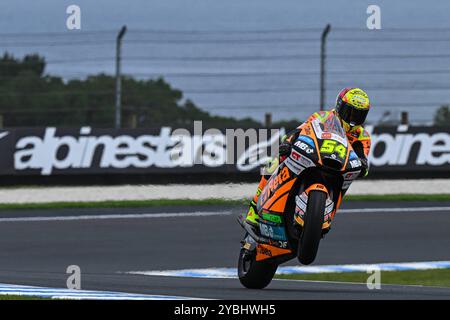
(240, 59)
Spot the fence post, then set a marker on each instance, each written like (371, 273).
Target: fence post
(118, 77)
(322, 66)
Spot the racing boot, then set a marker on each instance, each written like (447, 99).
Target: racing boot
(252, 215)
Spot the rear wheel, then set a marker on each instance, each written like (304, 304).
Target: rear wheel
(312, 229)
(254, 274)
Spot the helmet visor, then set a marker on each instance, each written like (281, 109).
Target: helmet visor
(352, 115)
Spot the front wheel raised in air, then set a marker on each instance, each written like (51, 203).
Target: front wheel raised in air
(254, 274)
(312, 229)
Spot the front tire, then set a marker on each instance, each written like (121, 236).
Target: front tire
(312, 230)
(254, 274)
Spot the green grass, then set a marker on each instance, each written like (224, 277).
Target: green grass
(437, 277)
(124, 203)
(17, 297)
(205, 202)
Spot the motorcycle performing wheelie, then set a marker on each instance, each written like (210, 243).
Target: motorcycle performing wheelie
(297, 205)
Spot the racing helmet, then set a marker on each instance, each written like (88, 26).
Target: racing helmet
(352, 106)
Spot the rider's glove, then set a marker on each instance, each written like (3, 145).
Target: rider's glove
(285, 146)
(365, 167)
(284, 149)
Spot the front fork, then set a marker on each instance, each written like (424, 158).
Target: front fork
(301, 202)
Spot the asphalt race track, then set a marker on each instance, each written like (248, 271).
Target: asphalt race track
(37, 246)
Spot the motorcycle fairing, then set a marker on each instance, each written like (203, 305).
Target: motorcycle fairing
(265, 251)
(271, 205)
(275, 194)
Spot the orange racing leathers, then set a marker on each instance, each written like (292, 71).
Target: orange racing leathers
(358, 137)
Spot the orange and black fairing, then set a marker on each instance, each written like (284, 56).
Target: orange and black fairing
(267, 251)
(271, 206)
(357, 134)
(274, 195)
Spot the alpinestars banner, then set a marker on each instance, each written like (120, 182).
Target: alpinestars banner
(53, 151)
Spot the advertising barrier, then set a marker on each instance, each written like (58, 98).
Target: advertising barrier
(404, 150)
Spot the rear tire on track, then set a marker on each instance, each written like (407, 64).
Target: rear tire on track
(312, 230)
(254, 274)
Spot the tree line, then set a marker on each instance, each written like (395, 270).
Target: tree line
(29, 98)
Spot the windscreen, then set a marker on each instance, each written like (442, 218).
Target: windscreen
(333, 125)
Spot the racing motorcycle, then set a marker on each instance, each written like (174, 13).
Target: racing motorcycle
(297, 206)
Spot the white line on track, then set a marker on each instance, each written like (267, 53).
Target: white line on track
(119, 216)
(203, 214)
(232, 272)
(61, 293)
(413, 209)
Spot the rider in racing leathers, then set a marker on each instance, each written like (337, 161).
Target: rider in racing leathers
(352, 107)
